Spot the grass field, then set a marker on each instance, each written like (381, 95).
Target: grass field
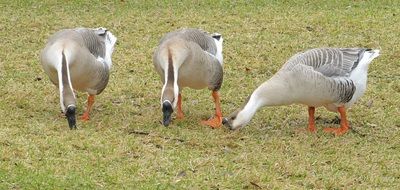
(124, 146)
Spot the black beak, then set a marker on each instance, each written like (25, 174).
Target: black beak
(167, 112)
(70, 114)
(224, 121)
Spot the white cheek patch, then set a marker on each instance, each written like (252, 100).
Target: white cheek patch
(239, 121)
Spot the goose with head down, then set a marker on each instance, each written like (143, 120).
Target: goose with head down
(189, 58)
(78, 59)
(331, 77)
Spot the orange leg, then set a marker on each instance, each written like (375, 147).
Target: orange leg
(215, 122)
(85, 116)
(179, 114)
(311, 121)
(344, 126)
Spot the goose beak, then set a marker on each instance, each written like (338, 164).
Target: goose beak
(224, 121)
(70, 114)
(167, 112)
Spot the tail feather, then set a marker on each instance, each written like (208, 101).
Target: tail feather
(368, 56)
(375, 53)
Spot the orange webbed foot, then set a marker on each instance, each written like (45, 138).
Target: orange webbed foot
(344, 126)
(336, 131)
(311, 129)
(215, 122)
(85, 117)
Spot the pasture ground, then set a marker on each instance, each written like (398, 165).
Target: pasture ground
(124, 146)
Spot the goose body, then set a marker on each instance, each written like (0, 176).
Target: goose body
(331, 77)
(78, 59)
(188, 58)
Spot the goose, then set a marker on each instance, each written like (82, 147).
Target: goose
(189, 58)
(331, 77)
(78, 59)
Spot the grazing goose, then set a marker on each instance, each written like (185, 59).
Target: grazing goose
(331, 77)
(189, 58)
(78, 59)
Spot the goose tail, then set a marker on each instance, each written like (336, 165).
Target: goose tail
(368, 56)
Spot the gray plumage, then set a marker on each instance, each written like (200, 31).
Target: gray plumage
(94, 42)
(199, 68)
(331, 77)
(200, 37)
(189, 58)
(330, 66)
(89, 74)
(331, 62)
(78, 59)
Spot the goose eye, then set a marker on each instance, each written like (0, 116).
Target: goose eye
(233, 117)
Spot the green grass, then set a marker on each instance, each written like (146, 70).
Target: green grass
(125, 147)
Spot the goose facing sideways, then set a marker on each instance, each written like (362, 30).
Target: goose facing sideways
(331, 77)
(189, 58)
(78, 59)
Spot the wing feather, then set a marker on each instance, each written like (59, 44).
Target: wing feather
(331, 62)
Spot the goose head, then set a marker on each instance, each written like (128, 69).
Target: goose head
(167, 112)
(236, 120)
(242, 116)
(70, 114)
(166, 104)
